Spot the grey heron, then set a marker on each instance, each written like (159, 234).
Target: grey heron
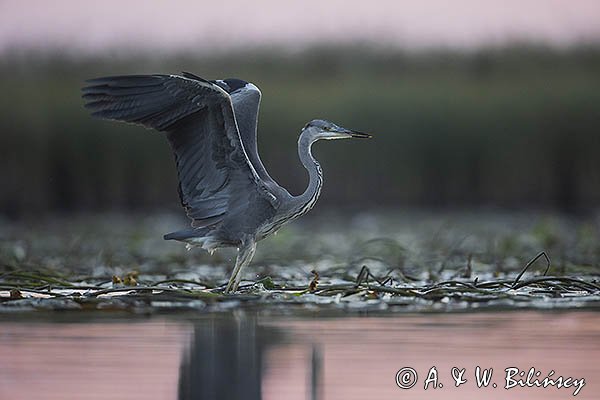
(211, 127)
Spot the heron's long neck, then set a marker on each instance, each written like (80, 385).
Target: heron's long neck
(307, 200)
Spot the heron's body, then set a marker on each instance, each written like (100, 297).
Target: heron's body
(211, 126)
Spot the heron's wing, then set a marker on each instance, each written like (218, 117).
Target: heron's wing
(246, 103)
(215, 175)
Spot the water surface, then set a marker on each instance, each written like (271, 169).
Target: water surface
(255, 357)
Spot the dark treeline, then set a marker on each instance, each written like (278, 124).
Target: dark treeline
(506, 127)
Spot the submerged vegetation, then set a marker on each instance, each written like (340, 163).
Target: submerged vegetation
(409, 262)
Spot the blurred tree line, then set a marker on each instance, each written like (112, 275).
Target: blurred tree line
(509, 127)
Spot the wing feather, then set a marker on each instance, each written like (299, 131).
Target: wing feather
(245, 98)
(199, 121)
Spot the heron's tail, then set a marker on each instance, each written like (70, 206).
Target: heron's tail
(195, 237)
(185, 234)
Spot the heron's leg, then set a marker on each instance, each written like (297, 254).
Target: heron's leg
(244, 257)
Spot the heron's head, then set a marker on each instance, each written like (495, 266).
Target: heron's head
(322, 129)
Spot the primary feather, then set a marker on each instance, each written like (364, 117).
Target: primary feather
(216, 178)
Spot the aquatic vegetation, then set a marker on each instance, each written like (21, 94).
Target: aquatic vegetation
(391, 264)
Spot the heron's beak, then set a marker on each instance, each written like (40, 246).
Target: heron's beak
(360, 135)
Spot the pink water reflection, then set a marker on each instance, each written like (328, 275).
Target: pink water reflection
(90, 361)
(362, 355)
(142, 360)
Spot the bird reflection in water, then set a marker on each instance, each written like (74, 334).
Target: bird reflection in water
(225, 359)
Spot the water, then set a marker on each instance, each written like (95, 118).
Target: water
(246, 356)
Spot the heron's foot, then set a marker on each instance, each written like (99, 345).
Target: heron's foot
(244, 257)
(232, 285)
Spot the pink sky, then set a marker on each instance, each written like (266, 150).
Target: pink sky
(203, 25)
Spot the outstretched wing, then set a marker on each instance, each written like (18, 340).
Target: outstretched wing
(245, 98)
(215, 175)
